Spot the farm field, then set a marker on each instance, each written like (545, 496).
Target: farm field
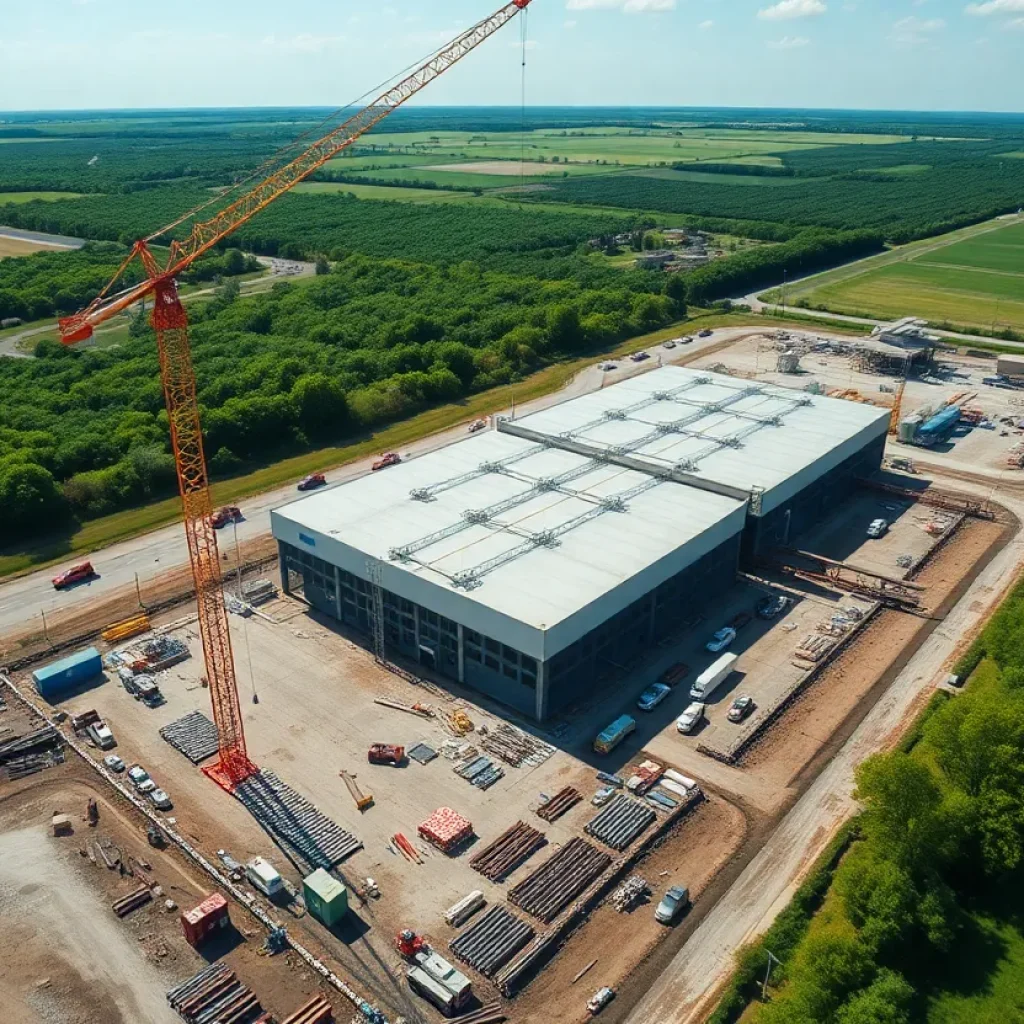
(974, 281)
(23, 247)
(27, 197)
(401, 195)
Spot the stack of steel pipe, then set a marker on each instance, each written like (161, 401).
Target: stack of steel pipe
(620, 822)
(559, 804)
(560, 880)
(215, 996)
(490, 943)
(512, 848)
(316, 1011)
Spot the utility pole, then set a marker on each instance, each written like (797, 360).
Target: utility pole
(772, 959)
(784, 276)
(138, 591)
(46, 635)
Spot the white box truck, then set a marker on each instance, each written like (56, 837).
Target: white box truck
(264, 876)
(712, 677)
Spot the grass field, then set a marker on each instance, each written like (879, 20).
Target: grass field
(402, 195)
(972, 278)
(23, 247)
(7, 198)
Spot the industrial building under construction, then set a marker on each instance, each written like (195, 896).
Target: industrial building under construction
(532, 560)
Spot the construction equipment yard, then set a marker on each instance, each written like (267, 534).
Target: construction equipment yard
(480, 799)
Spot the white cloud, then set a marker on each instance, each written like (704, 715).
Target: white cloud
(570, 25)
(789, 43)
(996, 7)
(1017, 23)
(786, 9)
(705, 25)
(910, 31)
(629, 6)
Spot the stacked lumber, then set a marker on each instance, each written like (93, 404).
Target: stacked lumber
(515, 747)
(492, 1013)
(316, 1011)
(135, 899)
(513, 847)
(563, 801)
(126, 629)
(560, 880)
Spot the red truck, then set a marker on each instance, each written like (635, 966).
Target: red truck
(76, 574)
(312, 482)
(223, 516)
(391, 459)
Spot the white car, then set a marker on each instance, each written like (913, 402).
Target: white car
(690, 718)
(114, 763)
(669, 344)
(138, 775)
(877, 528)
(161, 801)
(653, 696)
(146, 787)
(721, 640)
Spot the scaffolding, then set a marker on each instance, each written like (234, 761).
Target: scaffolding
(373, 575)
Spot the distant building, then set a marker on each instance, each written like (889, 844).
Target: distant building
(654, 260)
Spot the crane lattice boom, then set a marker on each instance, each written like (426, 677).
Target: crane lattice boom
(170, 322)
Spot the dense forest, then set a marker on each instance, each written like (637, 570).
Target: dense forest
(923, 906)
(83, 433)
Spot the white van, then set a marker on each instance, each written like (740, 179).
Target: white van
(101, 735)
(264, 876)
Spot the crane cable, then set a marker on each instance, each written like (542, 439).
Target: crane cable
(523, 33)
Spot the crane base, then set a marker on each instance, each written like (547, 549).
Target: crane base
(229, 776)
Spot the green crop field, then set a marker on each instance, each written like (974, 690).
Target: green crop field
(975, 279)
(27, 197)
(402, 195)
(711, 178)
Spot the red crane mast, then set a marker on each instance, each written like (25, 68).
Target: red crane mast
(170, 323)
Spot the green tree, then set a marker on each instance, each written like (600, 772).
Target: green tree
(321, 406)
(322, 266)
(887, 1000)
(30, 500)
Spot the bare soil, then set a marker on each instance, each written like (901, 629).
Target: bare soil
(808, 726)
(691, 857)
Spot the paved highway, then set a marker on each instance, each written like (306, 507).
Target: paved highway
(686, 990)
(154, 553)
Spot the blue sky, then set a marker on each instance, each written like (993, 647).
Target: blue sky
(899, 54)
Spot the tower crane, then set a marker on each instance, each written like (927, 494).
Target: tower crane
(170, 324)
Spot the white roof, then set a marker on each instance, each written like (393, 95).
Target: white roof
(735, 432)
(550, 563)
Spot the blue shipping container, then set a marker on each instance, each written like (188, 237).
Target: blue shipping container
(940, 426)
(67, 673)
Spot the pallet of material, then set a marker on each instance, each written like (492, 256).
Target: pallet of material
(215, 996)
(515, 747)
(293, 819)
(557, 882)
(562, 802)
(316, 1011)
(511, 849)
(620, 822)
(490, 943)
(193, 735)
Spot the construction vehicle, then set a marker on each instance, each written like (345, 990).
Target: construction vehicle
(191, 238)
(431, 976)
(76, 574)
(362, 800)
(386, 753)
(391, 459)
(408, 943)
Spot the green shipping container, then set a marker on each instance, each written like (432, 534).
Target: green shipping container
(326, 898)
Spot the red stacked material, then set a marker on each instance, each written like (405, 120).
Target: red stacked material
(211, 914)
(446, 829)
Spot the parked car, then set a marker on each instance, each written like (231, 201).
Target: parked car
(76, 574)
(690, 718)
(160, 800)
(877, 528)
(477, 425)
(669, 344)
(706, 333)
(675, 674)
(639, 357)
(312, 482)
(653, 696)
(223, 516)
(672, 904)
(721, 640)
(737, 622)
(114, 763)
(608, 366)
(138, 775)
(146, 787)
(603, 795)
(385, 753)
(599, 1000)
(772, 606)
(741, 708)
(390, 459)
(686, 340)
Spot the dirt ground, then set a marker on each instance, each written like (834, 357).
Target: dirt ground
(67, 958)
(23, 247)
(709, 836)
(807, 726)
